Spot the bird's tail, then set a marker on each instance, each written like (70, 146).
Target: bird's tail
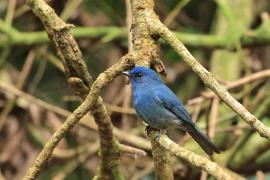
(203, 141)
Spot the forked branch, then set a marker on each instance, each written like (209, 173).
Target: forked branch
(89, 103)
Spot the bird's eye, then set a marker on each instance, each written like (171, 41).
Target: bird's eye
(138, 75)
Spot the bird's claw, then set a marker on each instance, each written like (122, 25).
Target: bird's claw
(148, 130)
(157, 138)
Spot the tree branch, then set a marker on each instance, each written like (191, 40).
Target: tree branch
(89, 104)
(198, 161)
(158, 28)
(240, 82)
(81, 81)
(148, 55)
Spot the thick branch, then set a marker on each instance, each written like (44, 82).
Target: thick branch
(148, 50)
(81, 81)
(158, 28)
(162, 158)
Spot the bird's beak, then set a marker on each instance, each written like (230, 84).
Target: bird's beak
(126, 73)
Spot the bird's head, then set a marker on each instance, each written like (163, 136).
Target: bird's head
(143, 75)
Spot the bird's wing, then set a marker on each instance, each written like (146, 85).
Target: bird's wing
(170, 102)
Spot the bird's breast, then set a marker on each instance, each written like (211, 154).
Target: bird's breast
(151, 111)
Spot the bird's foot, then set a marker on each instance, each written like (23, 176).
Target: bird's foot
(148, 129)
(157, 138)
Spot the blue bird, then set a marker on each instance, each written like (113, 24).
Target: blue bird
(159, 107)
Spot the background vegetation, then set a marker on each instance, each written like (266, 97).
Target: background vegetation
(35, 97)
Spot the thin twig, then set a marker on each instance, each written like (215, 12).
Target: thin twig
(127, 88)
(86, 121)
(19, 85)
(70, 8)
(213, 118)
(74, 163)
(10, 12)
(248, 79)
(181, 4)
(128, 22)
(133, 151)
(204, 175)
(119, 109)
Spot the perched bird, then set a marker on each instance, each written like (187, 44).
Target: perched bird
(159, 107)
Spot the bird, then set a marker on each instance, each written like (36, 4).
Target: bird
(161, 109)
